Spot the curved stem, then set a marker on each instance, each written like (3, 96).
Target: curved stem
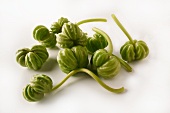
(93, 76)
(92, 20)
(110, 45)
(125, 65)
(121, 27)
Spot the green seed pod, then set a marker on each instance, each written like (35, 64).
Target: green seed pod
(106, 65)
(56, 27)
(31, 95)
(41, 83)
(71, 59)
(96, 42)
(43, 35)
(32, 58)
(70, 36)
(134, 51)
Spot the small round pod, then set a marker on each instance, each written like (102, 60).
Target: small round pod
(31, 95)
(71, 59)
(38, 86)
(41, 83)
(96, 42)
(43, 35)
(32, 58)
(132, 50)
(106, 65)
(71, 36)
(56, 27)
(137, 50)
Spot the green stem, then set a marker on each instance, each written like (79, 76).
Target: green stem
(121, 27)
(92, 20)
(125, 65)
(110, 45)
(93, 76)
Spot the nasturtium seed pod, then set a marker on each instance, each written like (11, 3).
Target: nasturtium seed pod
(96, 42)
(43, 35)
(71, 36)
(41, 83)
(32, 58)
(134, 51)
(56, 27)
(31, 95)
(71, 59)
(106, 65)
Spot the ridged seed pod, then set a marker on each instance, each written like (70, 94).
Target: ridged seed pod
(32, 58)
(39, 85)
(71, 59)
(43, 35)
(107, 66)
(31, 95)
(134, 51)
(70, 36)
(96, 42)
(56, 27)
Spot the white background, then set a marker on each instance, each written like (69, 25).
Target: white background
(148, 86)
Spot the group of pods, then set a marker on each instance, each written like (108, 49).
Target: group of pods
(73, 57)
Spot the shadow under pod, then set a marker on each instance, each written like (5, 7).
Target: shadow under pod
(49, 65)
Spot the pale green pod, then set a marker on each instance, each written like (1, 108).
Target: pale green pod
(71, 59)
(96, 42)
(31, 95)
(106, 65)
(41, 83)
(43, 35)
(32, 58)
(56, 27)
(134, 51)
(71, 36)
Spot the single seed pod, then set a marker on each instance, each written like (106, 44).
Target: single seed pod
(71, 59)
(43, 35)
(96, 42)
(32, 58)
(134, 51)
(56, 27)
(71, 36)
(41, 83)
(31, 95)
(106, 65)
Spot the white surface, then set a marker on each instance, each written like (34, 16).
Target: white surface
(147, 86)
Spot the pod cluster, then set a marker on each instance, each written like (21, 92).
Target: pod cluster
(38, 86)
(78, 53)
(32, 58)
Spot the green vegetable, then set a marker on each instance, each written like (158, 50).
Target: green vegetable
(32, 58)
(106, 65)
(109, 63)
(132, 50)
(43, 35)
(72, 35)
(41, 84)
(71, 59)
(96, 42)
(57, 26)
